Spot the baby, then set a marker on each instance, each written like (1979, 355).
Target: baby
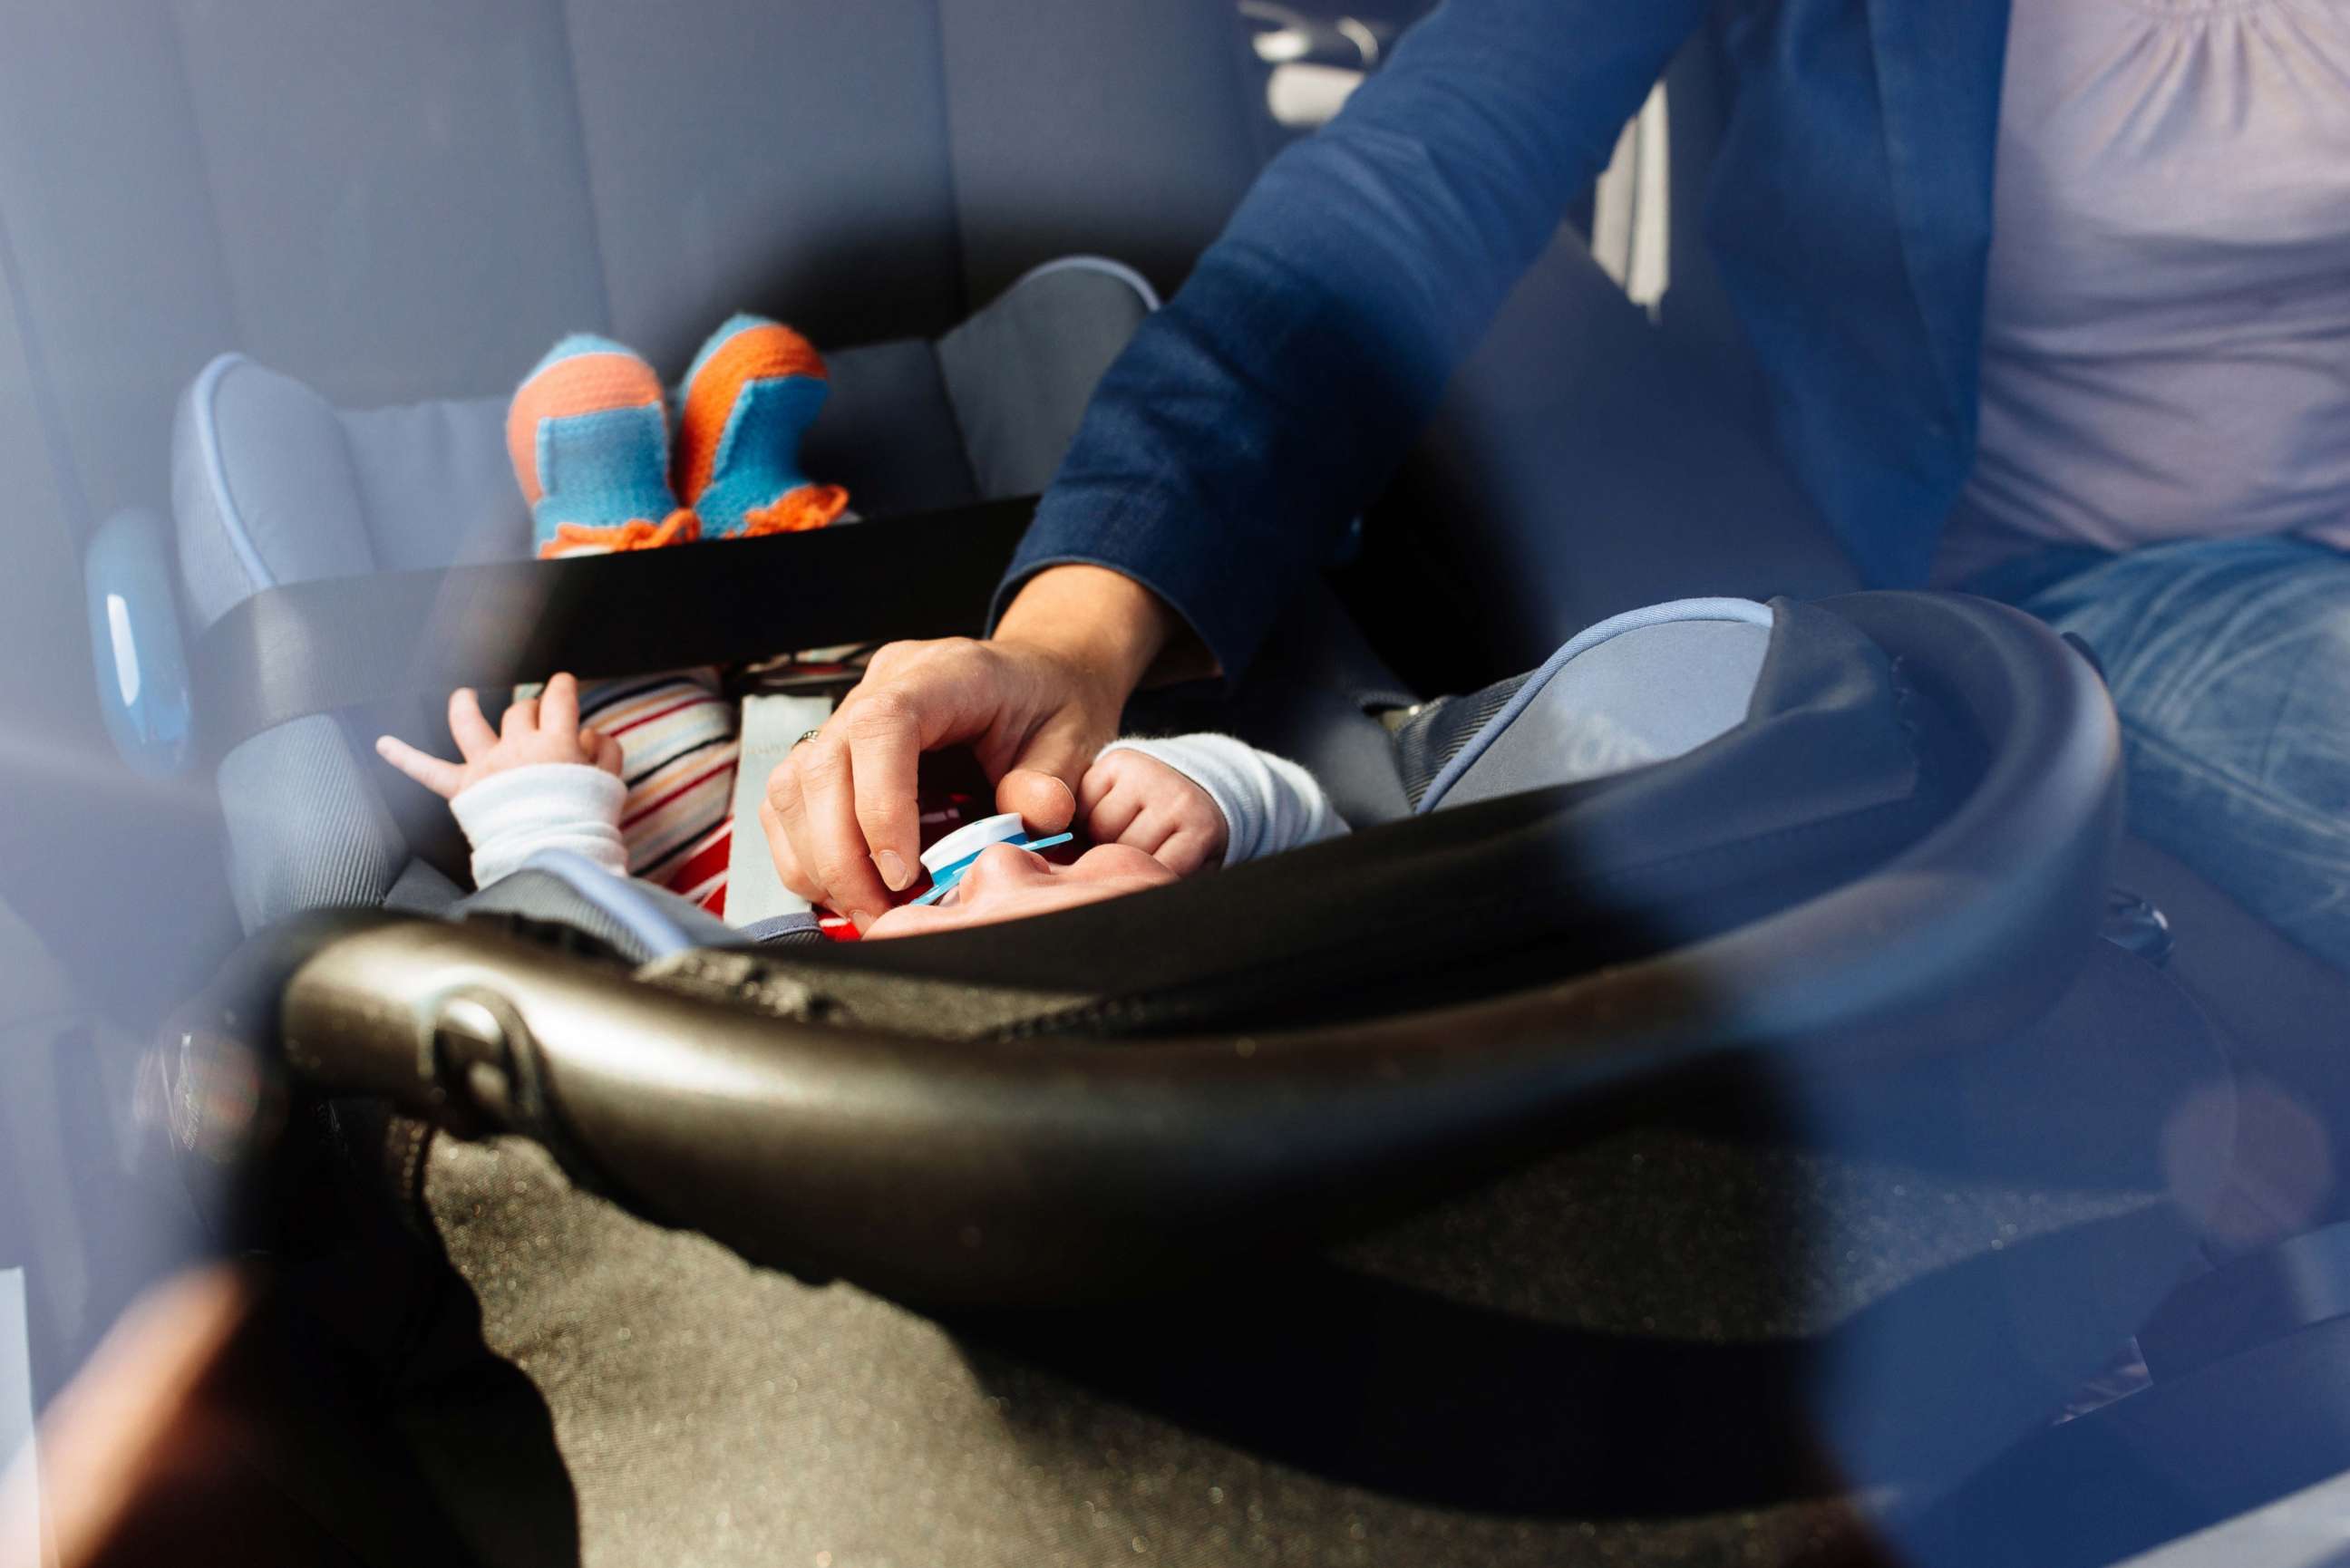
(637, 775)
(543, 779)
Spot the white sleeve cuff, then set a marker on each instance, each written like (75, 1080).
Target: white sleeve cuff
(1269, 804)
(510, 816)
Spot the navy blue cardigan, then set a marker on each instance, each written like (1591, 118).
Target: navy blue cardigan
(1850, 214)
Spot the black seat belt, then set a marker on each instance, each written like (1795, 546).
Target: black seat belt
(336, 643)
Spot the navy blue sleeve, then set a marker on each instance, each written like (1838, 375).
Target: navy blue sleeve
(1272, 397)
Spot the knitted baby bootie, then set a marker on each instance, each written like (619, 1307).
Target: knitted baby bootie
(751, 394)
(589, 434)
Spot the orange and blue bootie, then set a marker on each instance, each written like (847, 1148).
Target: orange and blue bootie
(589, 434)
(749, 397)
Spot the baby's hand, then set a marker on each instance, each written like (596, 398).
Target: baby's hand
(541, 728)
(1130, 798)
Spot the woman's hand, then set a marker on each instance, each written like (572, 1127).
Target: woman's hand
(1035, 703)
(541, 728)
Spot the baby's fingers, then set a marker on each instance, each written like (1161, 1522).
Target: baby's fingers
(558, 706)
(1189, 850)
(444, 779)
(471, 731)
(522, 718)
(1111, 814)
(604, 750)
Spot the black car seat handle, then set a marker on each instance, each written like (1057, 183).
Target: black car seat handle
(1048, 1167)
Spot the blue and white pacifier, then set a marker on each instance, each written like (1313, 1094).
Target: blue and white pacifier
(951, 856)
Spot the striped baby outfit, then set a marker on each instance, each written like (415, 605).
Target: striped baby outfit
(678, 751)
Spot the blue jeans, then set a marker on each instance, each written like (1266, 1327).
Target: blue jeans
(2229, 662)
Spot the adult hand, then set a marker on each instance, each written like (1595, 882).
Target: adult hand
(1034, 703)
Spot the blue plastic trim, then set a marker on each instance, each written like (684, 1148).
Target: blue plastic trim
(618, 896)
(207, 390)
(944, 880)
(137, 654)
(1589, 637)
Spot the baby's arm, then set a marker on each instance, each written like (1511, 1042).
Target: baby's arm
(538, 782)
(1196, 801)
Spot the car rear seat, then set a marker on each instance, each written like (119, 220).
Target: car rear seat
(399, 203)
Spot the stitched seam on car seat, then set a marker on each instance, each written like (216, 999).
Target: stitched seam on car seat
(945, 99)
(948, 396)
(205, 397)
(1086, 261)
(586, 170)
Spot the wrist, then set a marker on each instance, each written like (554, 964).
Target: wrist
(1115, 632)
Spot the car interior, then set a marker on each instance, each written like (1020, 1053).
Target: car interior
(1842, 1140)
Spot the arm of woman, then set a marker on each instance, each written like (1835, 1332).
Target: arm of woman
(1270, 399)
(1266, 405)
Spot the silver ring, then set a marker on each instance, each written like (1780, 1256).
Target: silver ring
(804, 739)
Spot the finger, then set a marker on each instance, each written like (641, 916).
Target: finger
(781, 816)
(1108, 819)
(605, 750)
(1152, 833)
(830, 844)
(444, 779)
(1044, 803)
(885, 749)
(787, 858)
(522, 718)
(1149, 833)
(558, 706)
(1097, 784)
(1186, 851)
(471, 731)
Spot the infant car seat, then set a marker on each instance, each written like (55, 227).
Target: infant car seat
(272, 486)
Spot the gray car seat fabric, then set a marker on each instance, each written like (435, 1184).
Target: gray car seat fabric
(640, 920)
(274, 484)
(395, 203)
(1641, 686)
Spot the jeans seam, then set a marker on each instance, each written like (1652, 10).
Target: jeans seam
(2262, 793)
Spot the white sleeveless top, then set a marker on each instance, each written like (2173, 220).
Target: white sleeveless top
(2166, 333)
